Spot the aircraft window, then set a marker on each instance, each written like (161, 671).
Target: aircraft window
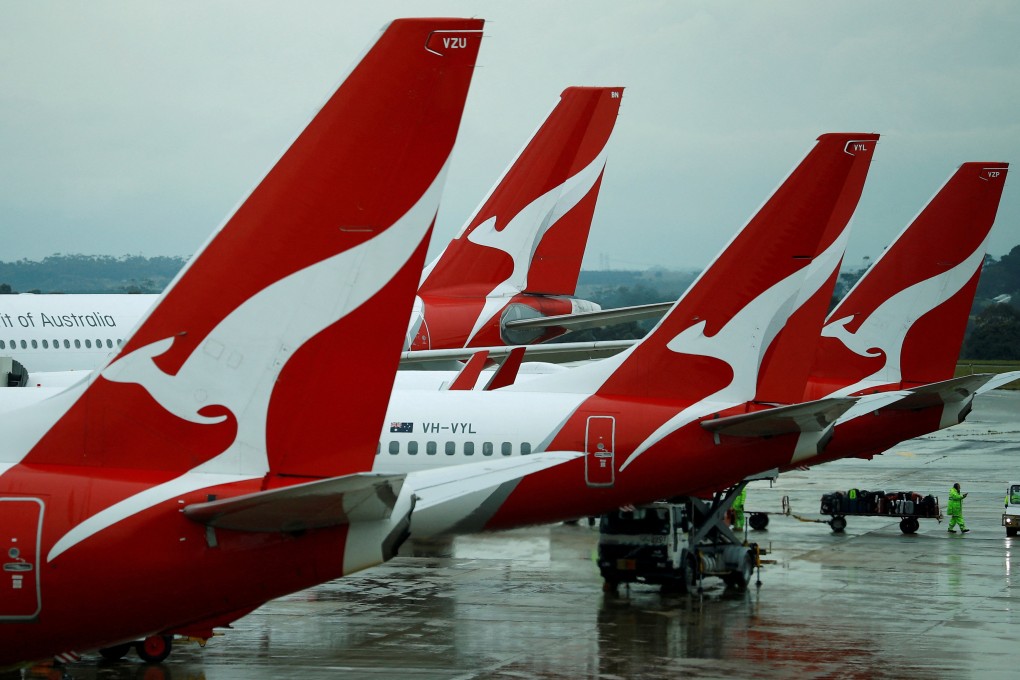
(119, 342)
(378, 448)
(45, 344)
(99, 343)
(412, 448)
(430, 448)
(24, 345)
(77, 343)
(487, 448)
(109, 343)
(67, 344)
(56, 344)
(451, 448)
(525, 448)
(88, 343)
(3, 345)
(507, 448)
(35, 344)
(469, 448)
(394, 448)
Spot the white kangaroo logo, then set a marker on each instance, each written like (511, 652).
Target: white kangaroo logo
(887, 326)
(744, 340)
(521, 237)
(236, 366)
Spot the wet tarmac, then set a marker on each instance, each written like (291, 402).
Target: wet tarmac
(871, 602)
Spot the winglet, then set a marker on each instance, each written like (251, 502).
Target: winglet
(506, 374)
(468, 375)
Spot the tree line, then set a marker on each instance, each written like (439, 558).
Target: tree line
(993, 331)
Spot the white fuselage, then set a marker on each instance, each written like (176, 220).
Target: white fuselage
(67, 332)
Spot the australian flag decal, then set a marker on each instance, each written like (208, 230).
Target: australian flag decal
(401, 427)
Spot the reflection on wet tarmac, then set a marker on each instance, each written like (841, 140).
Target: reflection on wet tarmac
(871, 602)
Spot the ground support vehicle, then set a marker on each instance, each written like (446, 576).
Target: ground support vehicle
(909, 506)
(675, 544)
(1011, 515)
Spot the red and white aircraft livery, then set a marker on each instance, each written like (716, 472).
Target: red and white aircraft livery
(219, 461)
(520, 254)
(895, 337)
(900, 329)
(518, 257)
(639, 416)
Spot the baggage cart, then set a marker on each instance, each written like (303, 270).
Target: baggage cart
(909, 506)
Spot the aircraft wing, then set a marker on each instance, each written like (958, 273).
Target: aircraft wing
(811, 416)
(603, 317)
(364, 496)
(557, 353)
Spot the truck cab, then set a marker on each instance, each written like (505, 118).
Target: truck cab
(673, 545)
(644, 544)
(1011, 514)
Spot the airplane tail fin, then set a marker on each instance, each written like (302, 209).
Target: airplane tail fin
(904, 321)
(275, 349)
(529, 233)
(715, 338)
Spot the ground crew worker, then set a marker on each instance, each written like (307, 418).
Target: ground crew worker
(955, 509)
(738, 509)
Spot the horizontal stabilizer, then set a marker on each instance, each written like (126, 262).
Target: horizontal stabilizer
(556, 353)
(584, 320)
(870, 403)
(812, 416)
(359, 497)
(998, 381)
(461, 498)
(945, 392)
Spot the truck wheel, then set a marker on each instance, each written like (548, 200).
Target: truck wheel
(1011, 531)
(741, 576)
(909, 525)
(758, 521)
(155, 648)
(838, 524)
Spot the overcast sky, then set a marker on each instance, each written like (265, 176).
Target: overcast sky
(135, 127)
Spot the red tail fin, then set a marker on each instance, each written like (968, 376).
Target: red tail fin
(277, 346)
(904, 320)
(714, 339)
(529, 234)
(784, 372)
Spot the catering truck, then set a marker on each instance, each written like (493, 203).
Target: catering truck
(674, 545)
